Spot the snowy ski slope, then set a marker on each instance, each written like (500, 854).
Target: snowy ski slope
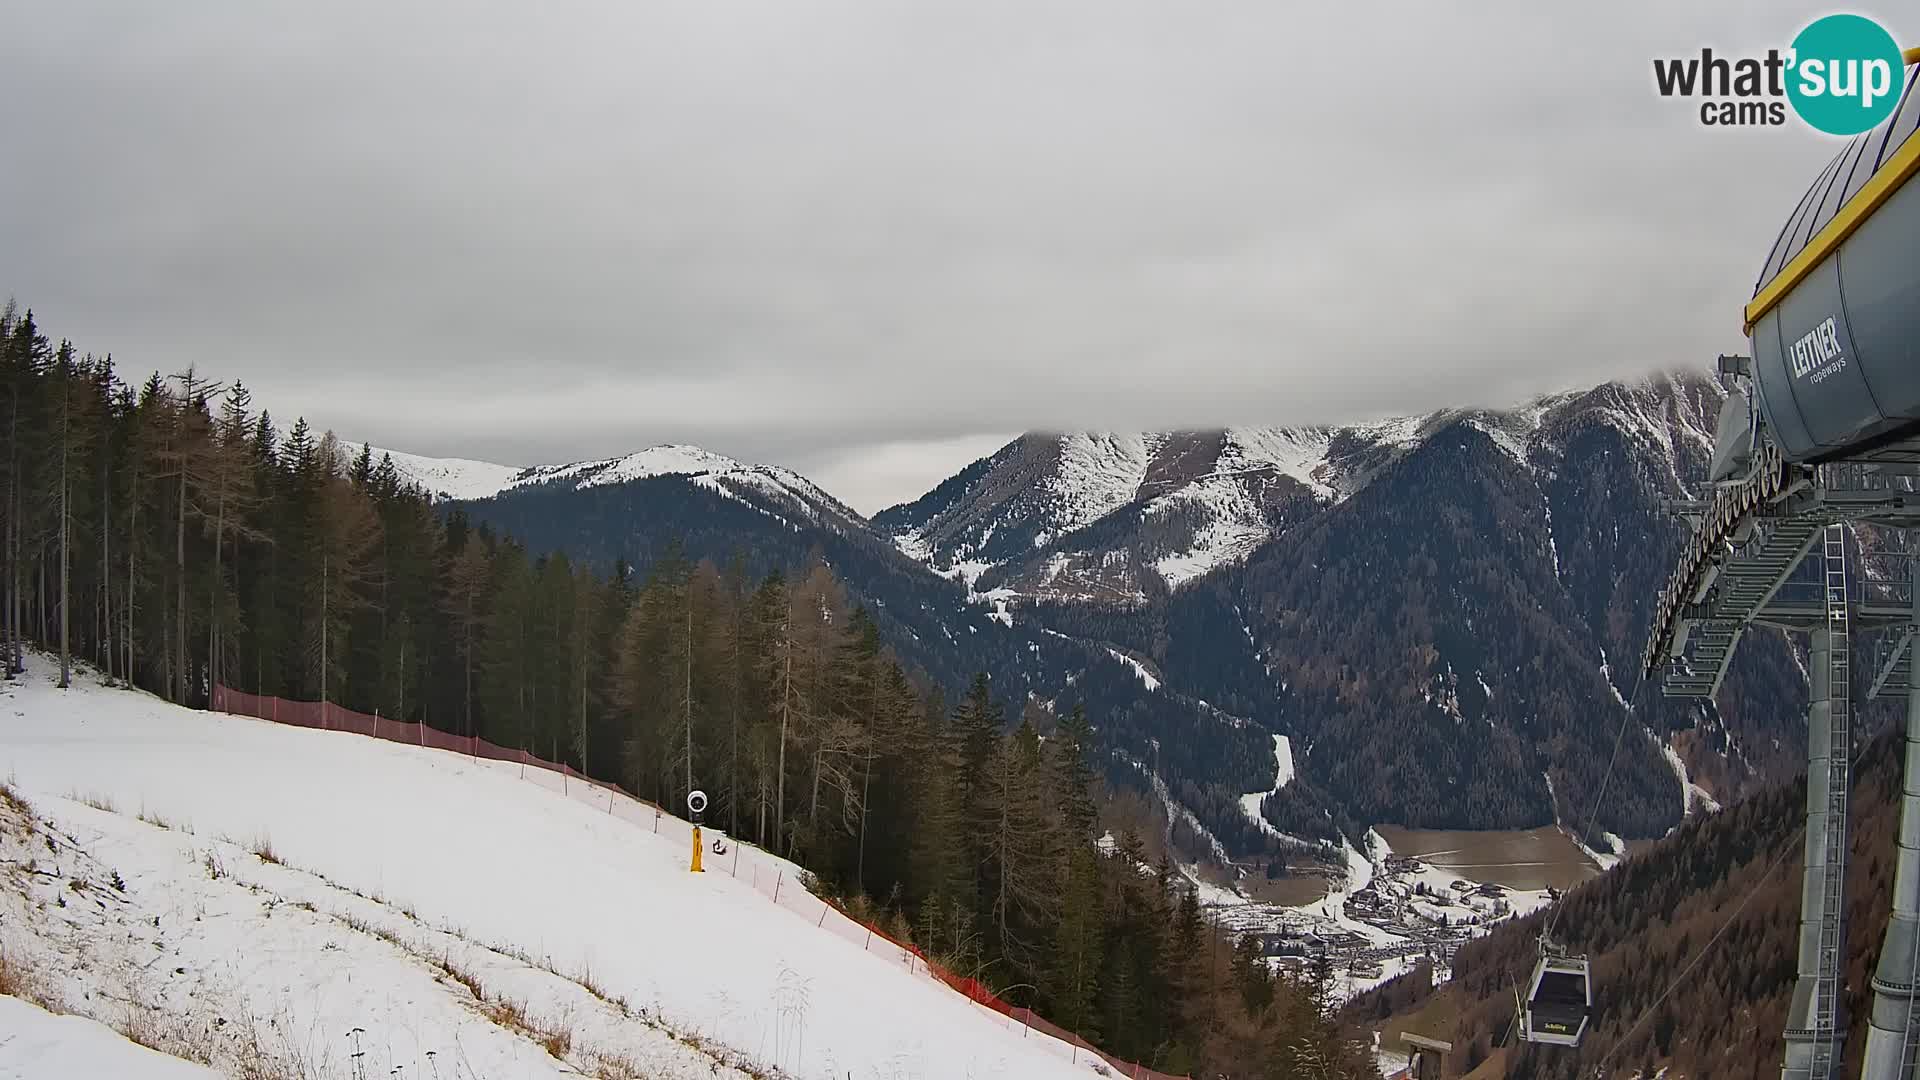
(35, 1043)
(397, 863)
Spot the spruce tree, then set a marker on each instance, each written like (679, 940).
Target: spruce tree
(71, 416)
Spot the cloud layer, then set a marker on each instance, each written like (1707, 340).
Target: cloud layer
(864, 239)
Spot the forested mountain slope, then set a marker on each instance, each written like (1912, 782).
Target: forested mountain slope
(1430, 609)
(1448, 635)
(1203, 758)
(1647, 925)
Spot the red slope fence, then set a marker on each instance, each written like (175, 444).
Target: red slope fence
(766, 872)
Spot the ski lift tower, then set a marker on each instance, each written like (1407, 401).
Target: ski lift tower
(1821, 432)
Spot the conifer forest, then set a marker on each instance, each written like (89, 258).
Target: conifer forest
(163, 531)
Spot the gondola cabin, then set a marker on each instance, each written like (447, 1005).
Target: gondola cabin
(1559, 1001)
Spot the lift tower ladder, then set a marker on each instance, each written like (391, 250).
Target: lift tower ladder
(1826, 1002)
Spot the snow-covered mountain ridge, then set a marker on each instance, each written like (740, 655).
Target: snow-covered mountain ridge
(1112, 517)
(1123, 517)
(777, 491)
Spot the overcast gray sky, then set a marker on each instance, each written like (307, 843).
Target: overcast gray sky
(871, 240)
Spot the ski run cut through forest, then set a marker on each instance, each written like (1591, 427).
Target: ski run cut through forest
(308, 896)
(165, 537)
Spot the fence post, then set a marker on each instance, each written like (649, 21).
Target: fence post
(776, 886)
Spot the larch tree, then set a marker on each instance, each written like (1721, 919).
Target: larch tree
(790, 707)
(345, 533)
(1018, 848)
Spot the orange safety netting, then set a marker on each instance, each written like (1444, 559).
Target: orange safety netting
(980, 993)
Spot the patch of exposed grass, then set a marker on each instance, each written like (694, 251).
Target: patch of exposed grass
(240, 1052)
(558, 1042)
(160, 821)
(14, 801)
(507, 1013)
(464, 977)
(555, 1036)
(611, 1066)
(103, 803)
(262, 848)
(587, 982)
(355, 922)
(18, 980)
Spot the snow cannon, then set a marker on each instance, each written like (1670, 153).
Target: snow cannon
(1835, 317)
(697, 806)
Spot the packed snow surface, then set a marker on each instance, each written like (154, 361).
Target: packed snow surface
(1693, 796)
(37, 1043)
(1605, 860)
(1283, 774)
(1140, 669)
(542, 891)
(452, 478)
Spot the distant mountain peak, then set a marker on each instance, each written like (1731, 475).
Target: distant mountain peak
(460, 479)
(1124, 516)
(667, 459)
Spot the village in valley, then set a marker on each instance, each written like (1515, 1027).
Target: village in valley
(1390, 912)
